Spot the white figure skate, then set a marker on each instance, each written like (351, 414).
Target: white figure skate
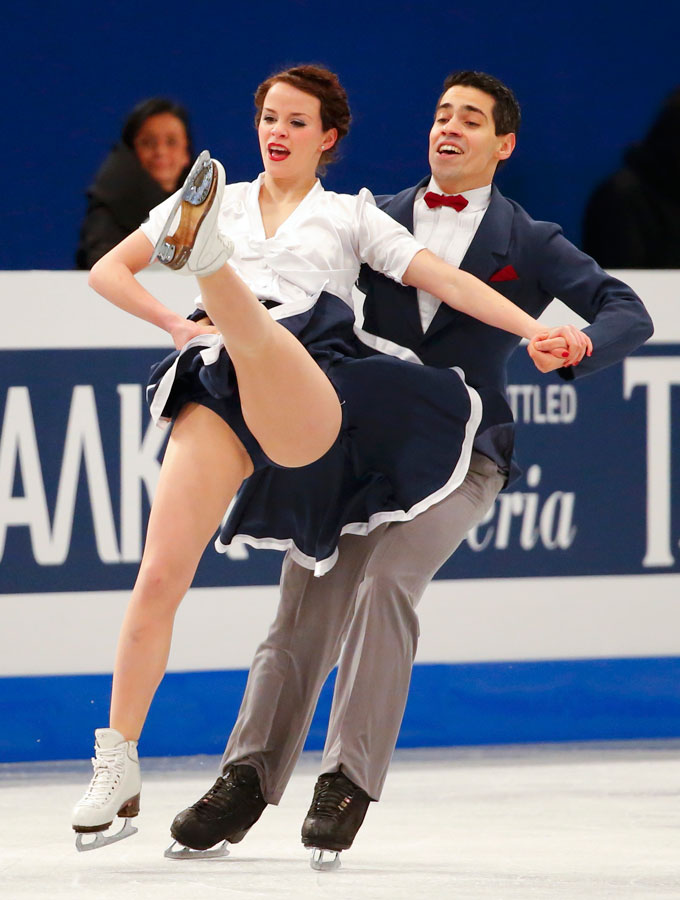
(114, 790)
(195, 246)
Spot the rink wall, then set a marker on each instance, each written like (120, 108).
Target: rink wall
(558, 619)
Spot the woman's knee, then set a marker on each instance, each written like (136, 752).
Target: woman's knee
(161, 583)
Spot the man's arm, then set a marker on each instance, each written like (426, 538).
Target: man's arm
(619, 321)
(465, 292)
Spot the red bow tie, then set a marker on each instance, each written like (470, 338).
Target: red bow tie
(454, 200)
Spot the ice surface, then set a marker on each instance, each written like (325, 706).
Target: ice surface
(549, 821)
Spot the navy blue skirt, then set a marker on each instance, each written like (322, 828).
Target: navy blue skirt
(405, 442)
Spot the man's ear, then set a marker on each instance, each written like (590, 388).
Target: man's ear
(506, 146)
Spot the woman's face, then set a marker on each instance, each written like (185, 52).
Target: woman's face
(162, 148)
(290, 132)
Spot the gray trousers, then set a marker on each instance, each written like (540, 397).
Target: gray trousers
(367, 602)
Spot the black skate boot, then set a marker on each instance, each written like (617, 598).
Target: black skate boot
(337, 811)
(226, 813)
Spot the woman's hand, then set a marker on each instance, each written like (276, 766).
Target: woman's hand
(183, 330)
(558, 347)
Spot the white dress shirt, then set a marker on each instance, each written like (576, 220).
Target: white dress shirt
(447, 233)
(319, 247)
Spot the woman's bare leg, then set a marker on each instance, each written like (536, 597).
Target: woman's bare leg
(203, 467)
(287, 401)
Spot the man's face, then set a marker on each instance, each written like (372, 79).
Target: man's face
(464, 147)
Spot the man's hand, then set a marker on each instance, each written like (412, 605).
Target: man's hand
(559, 347)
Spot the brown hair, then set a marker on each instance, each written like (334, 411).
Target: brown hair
(318, 82)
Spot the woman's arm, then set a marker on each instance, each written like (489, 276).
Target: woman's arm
(114, 278)
(468, 294)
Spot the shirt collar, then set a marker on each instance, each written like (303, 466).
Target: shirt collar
(253, 203)
(477, 198)
(255, 186)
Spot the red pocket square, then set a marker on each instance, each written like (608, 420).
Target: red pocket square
(507, 273)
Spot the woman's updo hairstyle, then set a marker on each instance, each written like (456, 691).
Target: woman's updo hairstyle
(318, 82)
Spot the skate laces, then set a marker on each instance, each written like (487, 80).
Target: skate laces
(220, 798)
(333, 794)
(108, 768)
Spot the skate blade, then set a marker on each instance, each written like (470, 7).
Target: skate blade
(187, 853)
(319, 864)
(99, 839)
(165, 253)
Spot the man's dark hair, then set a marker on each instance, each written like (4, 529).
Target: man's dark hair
(506, 111)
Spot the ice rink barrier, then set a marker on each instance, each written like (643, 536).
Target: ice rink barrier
(558, 619)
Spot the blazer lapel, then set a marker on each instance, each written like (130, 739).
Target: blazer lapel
(400, 207)
(484, 256)
(492, 239)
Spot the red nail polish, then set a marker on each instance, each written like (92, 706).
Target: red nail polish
(565, 354)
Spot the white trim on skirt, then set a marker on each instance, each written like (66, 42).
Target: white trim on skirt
(320, 567)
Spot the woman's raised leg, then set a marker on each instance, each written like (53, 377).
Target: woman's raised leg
(288, 402)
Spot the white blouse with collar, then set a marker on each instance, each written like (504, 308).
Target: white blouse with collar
(319, 247)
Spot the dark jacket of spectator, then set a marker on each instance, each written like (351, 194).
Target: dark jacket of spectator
(632, 220)
(119, 201)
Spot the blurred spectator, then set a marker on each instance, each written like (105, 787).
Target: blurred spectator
(146, 166)
(632, 220)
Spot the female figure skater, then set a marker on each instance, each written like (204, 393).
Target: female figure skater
(273, 380)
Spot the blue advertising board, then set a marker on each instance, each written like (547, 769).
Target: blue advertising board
(556, 619)
(79, 458)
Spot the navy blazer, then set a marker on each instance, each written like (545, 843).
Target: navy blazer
(547, 265)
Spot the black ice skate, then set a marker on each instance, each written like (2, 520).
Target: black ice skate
(226, 813)
(337, 811)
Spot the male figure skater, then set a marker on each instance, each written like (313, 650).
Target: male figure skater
(368, 600)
